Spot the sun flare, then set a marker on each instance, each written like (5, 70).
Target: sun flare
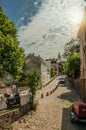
(75, 15)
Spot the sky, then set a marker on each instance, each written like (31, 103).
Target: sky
(45, 26)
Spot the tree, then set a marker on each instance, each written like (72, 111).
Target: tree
(53, 72)
(72, 66)
(72, 52)
(11, 55)
(34, 80)
(71, 47)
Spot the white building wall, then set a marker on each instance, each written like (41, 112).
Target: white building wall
(45, 71)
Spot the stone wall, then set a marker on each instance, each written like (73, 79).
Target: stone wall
(12, 116)
(80, 86)
(83, 88)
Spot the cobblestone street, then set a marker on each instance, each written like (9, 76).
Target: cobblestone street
(53, 112)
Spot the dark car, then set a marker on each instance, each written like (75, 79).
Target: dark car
(61, 80)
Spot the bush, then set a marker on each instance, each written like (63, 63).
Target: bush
(53, 72)
(22, 83)
(9, 127)
(33, 104)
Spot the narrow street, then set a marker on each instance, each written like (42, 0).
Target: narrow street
(53, 112)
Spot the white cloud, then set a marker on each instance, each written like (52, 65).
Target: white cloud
(50, 28)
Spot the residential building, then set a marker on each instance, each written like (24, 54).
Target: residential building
(82, 39)
(44, 66)
(45, 71)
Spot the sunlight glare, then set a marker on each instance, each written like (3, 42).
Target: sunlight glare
(76, 15)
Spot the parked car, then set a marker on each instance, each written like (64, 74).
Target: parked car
(78, 113)
(61, 80)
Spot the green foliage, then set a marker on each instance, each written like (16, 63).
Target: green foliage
(34, 80)
(33, 103)
(71, 47)
(6, 27)
(22, 83)
(53, 72)
(72, 52)
(8, 127)
(16, 112)
(72, 66)
(11, 55)
(65, 68)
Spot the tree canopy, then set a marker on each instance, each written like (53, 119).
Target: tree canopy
(71, 47)
(11, 55)
(34, 82)
(72, 66)
(72, 52)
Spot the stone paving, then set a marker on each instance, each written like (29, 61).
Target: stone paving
(53, 112)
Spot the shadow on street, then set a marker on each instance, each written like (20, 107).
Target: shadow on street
(66, 122)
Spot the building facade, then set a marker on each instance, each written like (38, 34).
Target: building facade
(39, 64)
(82, 40)
(45, 71)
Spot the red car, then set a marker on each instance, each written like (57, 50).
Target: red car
(78, 112)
